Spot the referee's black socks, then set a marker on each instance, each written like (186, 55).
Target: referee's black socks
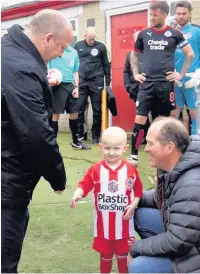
(73, 125)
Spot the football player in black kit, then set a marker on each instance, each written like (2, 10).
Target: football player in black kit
(158, 44)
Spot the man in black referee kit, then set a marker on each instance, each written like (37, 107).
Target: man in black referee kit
(158, 44)
(94, 66)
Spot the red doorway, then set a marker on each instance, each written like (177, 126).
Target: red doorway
(122, 28)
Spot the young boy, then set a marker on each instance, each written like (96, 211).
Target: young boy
(116, 190)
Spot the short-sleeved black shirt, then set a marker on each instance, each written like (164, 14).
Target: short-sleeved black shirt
(158, 49)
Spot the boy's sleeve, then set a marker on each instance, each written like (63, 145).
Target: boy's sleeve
(87, 182)
(138, 187)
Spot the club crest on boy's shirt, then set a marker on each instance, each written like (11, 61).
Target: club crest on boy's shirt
(130, 182)
(113, 186)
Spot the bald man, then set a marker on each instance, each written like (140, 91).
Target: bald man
(94, 66)
(29, 148)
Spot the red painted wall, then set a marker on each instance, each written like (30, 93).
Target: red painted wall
(122, 28)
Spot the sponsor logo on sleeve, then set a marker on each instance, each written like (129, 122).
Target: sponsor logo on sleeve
(71, 63)
(183, 44)
(187, 35)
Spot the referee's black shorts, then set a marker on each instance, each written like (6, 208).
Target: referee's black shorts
(155, 95)
(63, 99)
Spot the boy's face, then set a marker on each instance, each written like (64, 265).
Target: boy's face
(113, 150)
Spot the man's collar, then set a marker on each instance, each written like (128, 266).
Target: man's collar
(182, 27)
(68, 48)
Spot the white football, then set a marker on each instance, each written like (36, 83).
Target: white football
(54, 77)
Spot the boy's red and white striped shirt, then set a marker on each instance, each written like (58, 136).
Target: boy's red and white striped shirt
(112, 191)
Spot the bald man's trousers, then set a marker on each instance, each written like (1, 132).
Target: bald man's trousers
(93, 89)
